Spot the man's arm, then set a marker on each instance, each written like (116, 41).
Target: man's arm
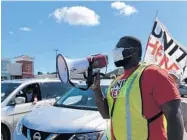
(100, 101)
(102, 105)
(175, 124)
(166, 94)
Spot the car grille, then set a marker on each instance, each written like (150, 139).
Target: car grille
(63, 137)
(44, 135)
(24, 131)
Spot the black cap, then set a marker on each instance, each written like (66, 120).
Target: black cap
(130, 42)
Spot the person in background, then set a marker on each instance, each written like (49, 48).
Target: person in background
(176, 77)
(185, 80)
(142, 103)
(31, 96)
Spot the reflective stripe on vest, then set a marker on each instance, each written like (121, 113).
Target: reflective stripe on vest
(126, 115)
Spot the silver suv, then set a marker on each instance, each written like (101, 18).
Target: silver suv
(73, 117)
(14, 102)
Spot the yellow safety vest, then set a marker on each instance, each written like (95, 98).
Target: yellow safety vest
(126, 115)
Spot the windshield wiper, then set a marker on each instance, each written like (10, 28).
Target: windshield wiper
(76, 107)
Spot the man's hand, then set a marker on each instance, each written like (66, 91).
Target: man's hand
(175, 124)
(35, 101)
(96, 86)
(100, 101)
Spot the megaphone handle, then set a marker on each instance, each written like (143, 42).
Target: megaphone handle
(101, 74)
(90, 75)
(84, 89)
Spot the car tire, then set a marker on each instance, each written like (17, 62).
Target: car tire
(4, 133)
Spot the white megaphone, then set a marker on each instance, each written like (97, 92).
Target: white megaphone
(68, 67)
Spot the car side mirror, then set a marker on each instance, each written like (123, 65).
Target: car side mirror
(20, 92)
(20, 100)
(57, 98)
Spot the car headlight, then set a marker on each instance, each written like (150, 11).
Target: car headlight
(19, 127)
(88, 136)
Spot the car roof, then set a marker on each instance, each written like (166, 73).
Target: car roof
(103, 82)
(20, 81)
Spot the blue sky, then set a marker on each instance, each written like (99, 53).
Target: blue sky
(36, 29)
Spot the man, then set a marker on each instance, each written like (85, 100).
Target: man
(143, 103)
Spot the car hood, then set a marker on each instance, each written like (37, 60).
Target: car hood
(64, 120)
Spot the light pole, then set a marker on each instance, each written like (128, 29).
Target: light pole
(55, 59)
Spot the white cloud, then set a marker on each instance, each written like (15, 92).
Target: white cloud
(76, 15)
(25, 29)
(124, 8)
(11, 33)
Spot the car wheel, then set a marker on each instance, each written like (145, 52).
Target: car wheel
(4, 133)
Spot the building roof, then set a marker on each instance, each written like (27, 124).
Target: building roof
(23, 58)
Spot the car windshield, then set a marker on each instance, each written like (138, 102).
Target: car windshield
(7, 88)
(79, 99)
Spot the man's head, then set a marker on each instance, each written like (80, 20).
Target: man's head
(127, 53)
(176, 77)
(30, 89)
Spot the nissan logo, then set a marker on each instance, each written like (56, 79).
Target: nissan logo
(37, 136)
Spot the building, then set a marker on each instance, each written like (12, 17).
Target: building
(27, 65)
(5, 74)
(22, 67)
(15, 70)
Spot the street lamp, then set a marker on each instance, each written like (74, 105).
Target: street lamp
(55, 60)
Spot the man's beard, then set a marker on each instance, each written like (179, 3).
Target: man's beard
(126, 63)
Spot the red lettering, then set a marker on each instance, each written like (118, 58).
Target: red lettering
(154, 46)
(159, 52)
(157, 49)
(164, 61)
(114, 93)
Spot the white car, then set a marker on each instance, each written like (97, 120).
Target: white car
(14, 103)
(73, 117)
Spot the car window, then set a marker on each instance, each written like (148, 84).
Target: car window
(76, 98)
(30, 92)
(7, 88)
(72, 100)
(53, 89)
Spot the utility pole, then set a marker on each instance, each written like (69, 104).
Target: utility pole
(55, 60)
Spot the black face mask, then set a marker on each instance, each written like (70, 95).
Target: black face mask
(123, 62)
(130, 54)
